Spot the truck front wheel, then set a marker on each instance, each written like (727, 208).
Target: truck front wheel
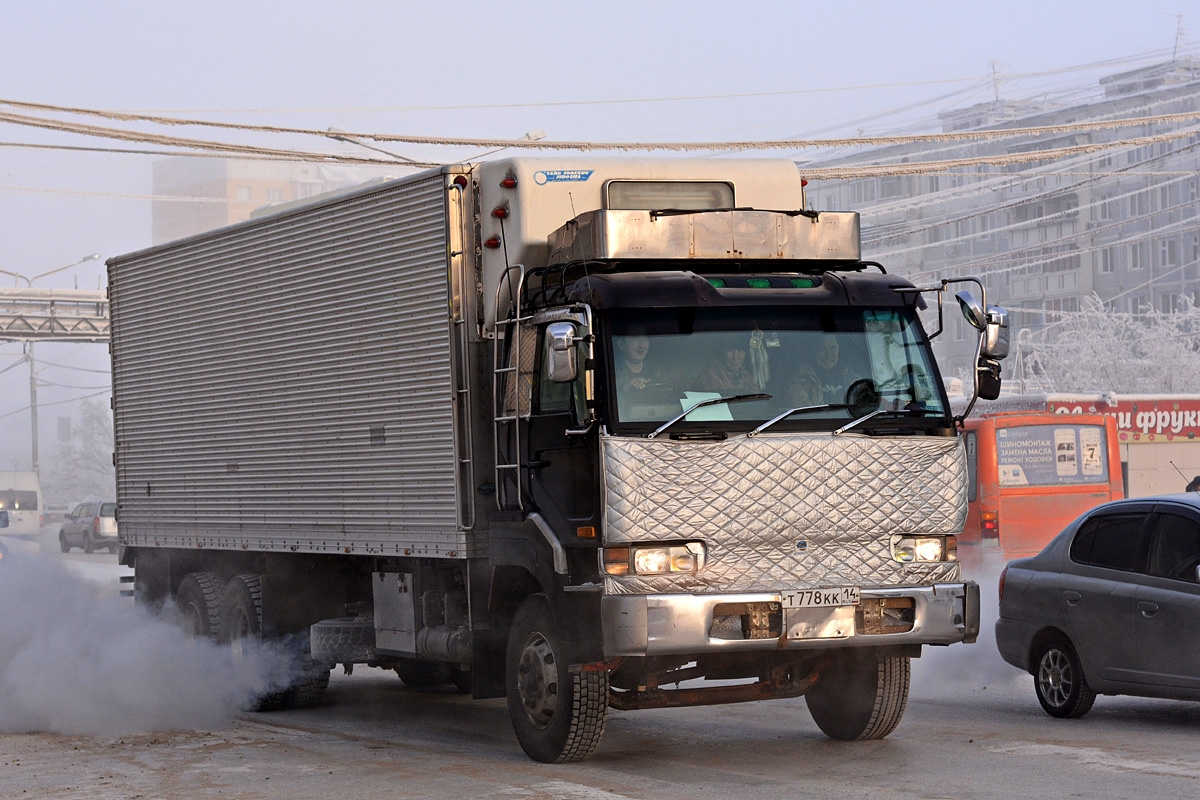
(860, 697)
(558, 716)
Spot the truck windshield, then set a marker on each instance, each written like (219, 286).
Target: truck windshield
(854, 361)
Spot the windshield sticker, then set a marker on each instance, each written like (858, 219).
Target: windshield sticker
(542, 177)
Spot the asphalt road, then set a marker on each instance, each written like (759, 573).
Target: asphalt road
(973, 729)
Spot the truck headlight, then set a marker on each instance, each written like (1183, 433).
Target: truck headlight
(654, 559)
(907, 549)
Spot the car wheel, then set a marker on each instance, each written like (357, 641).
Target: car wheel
(62, 542)
(88, 545)
(558, 715)
(1058, 680)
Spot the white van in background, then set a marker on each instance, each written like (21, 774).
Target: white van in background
(21, 497)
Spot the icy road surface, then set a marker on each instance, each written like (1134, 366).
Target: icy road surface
(973, 729)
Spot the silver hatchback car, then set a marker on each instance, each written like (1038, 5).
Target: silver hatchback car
(90, 525)
(1110, 606)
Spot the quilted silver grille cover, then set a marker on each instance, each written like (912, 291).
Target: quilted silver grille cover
(784, 511)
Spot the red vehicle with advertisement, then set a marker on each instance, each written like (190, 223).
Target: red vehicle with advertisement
(1031, 473)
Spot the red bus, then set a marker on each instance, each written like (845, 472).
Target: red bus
(1031, 473)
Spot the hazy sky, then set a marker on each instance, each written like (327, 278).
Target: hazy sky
(764, 70)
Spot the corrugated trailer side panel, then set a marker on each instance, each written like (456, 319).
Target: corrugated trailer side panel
(285, 384)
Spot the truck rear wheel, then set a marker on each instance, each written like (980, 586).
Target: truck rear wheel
(198, 603)
(558, 716)
(241, 629)
(862, 697)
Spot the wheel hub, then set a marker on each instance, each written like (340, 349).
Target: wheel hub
(537, 680)
(1054, 675)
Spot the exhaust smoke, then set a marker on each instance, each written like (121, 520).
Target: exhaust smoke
(78, 659)
(973, 667)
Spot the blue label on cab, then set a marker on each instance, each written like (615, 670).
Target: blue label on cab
(543, 177)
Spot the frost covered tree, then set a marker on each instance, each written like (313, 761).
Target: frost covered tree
(1097, 350)
(82, 468)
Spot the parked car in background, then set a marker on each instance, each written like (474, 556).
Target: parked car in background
(1110, 606)
(90, 525)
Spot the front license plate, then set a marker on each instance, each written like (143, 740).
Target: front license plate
(819, 598)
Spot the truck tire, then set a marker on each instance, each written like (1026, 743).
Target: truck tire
(198, 604)
(1058, 681)
(345, 640)
(558, 716)
(861, 698)
(241, 628)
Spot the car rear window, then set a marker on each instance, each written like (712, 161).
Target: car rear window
(17, 500)
(108, 509)
(1113, 541)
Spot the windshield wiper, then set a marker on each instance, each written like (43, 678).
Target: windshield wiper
(901, 411)
(712, 401)
(788, 413)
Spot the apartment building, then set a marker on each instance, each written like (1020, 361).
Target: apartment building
(1119, 223)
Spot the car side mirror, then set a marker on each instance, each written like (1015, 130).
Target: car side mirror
(563, 336)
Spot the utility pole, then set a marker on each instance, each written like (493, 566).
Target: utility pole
(29, 351)
(33, 417)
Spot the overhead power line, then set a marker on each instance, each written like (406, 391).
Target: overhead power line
(524, 143)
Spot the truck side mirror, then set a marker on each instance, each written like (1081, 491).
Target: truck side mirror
(562, 367)
(972, 310)
(987, 373)
(995, 333)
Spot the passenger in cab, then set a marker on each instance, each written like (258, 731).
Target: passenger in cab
(730, 373)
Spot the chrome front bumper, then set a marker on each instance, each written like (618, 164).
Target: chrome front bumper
(666, 624)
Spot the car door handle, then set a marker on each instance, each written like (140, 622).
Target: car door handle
(1147, 608)
(1072, 597)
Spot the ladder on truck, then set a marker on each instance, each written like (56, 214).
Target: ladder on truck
(508, 391)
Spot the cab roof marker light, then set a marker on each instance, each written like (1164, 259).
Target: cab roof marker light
(758, 283)
(719, 283)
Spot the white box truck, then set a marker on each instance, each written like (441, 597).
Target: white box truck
(584, 433)
(21, 497)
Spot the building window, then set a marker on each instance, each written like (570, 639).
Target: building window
(1137, 256)
(274, 195)
(1168, 253)
(1108, 260)
(1137, 204)
(243, 194)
